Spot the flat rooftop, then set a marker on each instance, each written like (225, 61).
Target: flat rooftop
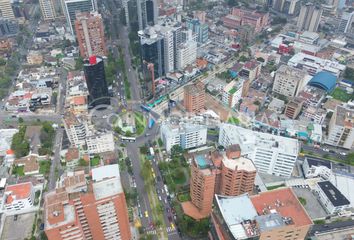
(240, 163)
(284, 202)
(333, 194)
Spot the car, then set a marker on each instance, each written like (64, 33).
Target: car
(104, 116)
(146, 214)
(15, 217)
(332, 151)
(172, 226)
(343, 153)
(160, 198)
(41, 227)
(167, 210)
(325, 149)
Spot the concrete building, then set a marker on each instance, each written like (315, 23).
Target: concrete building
(72, 7)
(293, 108)
(100, 143)
(309, 17)
(271, 154)
(89, 31)
(317, 168)
(341, 128)
(331, 198)
(18, 197)
(345, 22)
(289, 81)
(75, 129)
(251, 70)
(194, 97)
(185, 135)
(314, 65)
(47, 9)
(200, 29)
(241, 17)
(232, 93)
(186, 53)
(6, 10)
(8, 28)
(290, 7)
(100, 212)
(275, 214)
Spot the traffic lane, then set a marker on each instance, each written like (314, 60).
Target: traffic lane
(331, 151)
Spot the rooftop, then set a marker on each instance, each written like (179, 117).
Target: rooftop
(333, 194)
(270, 221)
(317, 162)
(324, 80)
(344, 117)
(284, 202)
(106, 181)
(241, 163)
(18, 191)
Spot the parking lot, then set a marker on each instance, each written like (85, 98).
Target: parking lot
(18, 229)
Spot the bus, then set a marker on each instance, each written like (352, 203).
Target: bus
(128, 139)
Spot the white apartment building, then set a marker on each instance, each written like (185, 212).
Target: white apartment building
(271, 154)
(18, 197)
(6, 9)
(315, 65)
(186, 53)
(317, 168)
(169, 54)
(100, 143)
(75, 129)
(232, 93)
(185, 135)
(47, 9)
(331, 198)
(289, 81)
(341, 128)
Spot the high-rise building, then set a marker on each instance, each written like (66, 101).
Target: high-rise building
(219, 172)
(194, 97)
(270, 153)
(309, 17)
(149, 80)
(275, 214)
(291, 7)
(341, 128)
(72, 7)
(6, 9)
(78, 211)
(186, 53)
(200, 29)
(345, 23)
(96, 81)
(47, 9)
(8, 27)
(140, 13)
(75, 129)
(89, 31)
(289, 81)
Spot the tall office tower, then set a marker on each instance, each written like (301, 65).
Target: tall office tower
(47, 9)
(96, 81)
(6, 9)
(90, 34)
(140, 13)
(309, 17)
(200, 29)
(194, 97)
(237, 173)
(345, 23)
(152, 50)
(72, 7)
(186, 52)
(98, 210)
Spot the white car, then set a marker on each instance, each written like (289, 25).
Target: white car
(325, 149)
(104, 116)
(343, 153)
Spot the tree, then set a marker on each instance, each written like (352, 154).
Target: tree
(243, 58)
(79, 63)
(260, 59)
(19, 144)
(83, 163)
(20, 120)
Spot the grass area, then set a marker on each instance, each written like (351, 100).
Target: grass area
(341, 95)
(213, 132)
(140, 123)
(302, 201)
(275, 187)
(95, 161)
(159, 141)
(320, 221)
(184, 197)
(18, 170)
(44, 167)
(233, 120)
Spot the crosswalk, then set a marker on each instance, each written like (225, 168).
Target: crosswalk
(154, 232)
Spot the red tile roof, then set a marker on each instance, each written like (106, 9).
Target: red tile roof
(285, 202)
(18, 191)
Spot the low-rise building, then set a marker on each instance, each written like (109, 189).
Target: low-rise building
(18, 197)
(331, 198)
(232, 93)
(293, 108)
(100, 143)
(34, 58)
(317, 168)
(72, 157)
(185, 135)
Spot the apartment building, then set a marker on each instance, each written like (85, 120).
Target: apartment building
(18, 197)
(331, 198)
(276, 215)
(341, 128)
(241, 17)
(232, 93)
(251, 70)
(186, 53)
(194, 97)
(309, 17)
(293, 108)
(219, 172)
(6, 10)
(100, 143)
(313, 168)
(100, 212)
(89, 31)
(184, 134)
(47, 9)
(76, 129)
(289, 81)
(271, 154)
